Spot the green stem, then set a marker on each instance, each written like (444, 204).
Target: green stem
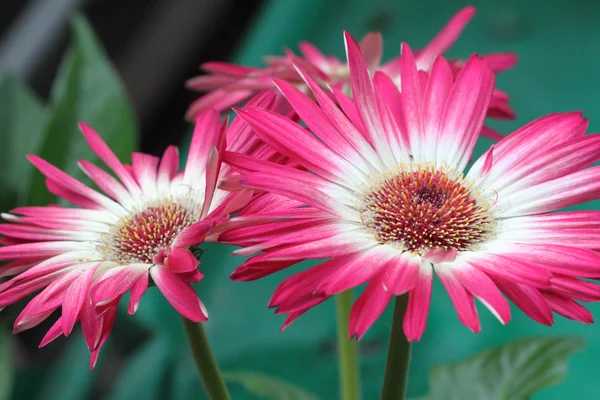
(205, 361)
(398, 357)
(347, 350)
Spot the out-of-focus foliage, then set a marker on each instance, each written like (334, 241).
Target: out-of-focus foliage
(72, 364)
(6, 374)
(22, 118)
(514, 371)
(88, 89)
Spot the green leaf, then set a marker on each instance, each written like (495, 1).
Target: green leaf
(86, 89)
(22, 118)
(268, 387)
(6, 372)
(514, 371)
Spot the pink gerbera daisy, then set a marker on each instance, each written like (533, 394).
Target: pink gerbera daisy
(229, 84)
(387, 201)
(141, 230)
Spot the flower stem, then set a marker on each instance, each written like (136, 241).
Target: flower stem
(398, 357)
(205, 361)
(347, 349)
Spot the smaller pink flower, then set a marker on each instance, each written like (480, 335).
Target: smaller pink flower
(84, 258)
(229, 84)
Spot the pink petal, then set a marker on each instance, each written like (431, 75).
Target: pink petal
(575, 188)
(167, 169)
(440, 255)
(145, 169)
(371, 46)
(74, 298)
(401, 275)
(317, 121)
(180, 294)
(445, 38)
(116, 281)
(105, 153)
(193, 234)
(364, 95)
(53, 333)
(368, 307)
(180, 260)
(358, 268)
(259, 270)
(568, 307)
(465, 111)
(528, 299)
(500, 62)
(298, 145)
(61, 179)
(435, 97)
(205, 137)
(575, 288)
(213, 166)
(419, 300)
(461, 298)
(482, 287)
(137, 291)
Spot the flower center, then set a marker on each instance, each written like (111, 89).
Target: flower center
(419, 207)
(139, 237)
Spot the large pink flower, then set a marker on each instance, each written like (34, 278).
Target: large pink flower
(386, 199)
(85, 258)
(229, 84)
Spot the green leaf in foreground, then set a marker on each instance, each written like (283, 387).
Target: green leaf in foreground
(513, 371)
(22, 117)
(268, 387)
(86, 89)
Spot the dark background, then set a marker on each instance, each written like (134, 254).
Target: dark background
(155, 45)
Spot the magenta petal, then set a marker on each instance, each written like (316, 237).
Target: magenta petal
(461, 298)
(364, 95)
(445, 38)
(482, 287)
(113, 283)
(138, 289)
(528, 299)
(105, 153)
(417, 311)
(371, 46)
(54, 332)
(568, 307)
(193, 234)
(440, 255)
(74, 298)
(180, 294)
(180, 260)
(368, 307)
(401, 275)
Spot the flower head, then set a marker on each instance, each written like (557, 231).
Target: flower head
(383, 195)
(229, 84)
(84, 258)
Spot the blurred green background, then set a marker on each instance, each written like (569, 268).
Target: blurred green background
(147, 357)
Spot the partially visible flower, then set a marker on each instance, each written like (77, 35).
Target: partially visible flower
(229, 84)
(385, 198)
(84, 258)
